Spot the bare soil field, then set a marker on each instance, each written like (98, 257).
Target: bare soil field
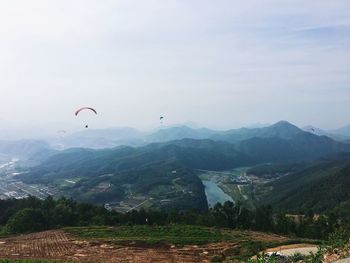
(58, 245)
(265, 237)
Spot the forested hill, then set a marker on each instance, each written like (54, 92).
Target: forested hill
(86, 162)
(194, 154)
(281, 129)
(114, 175)
(320, 188)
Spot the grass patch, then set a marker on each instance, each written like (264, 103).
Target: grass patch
(172, 234)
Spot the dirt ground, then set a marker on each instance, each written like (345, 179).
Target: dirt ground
(261, 236)
(289, 250)
(58, 245)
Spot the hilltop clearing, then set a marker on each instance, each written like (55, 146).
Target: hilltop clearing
(137, 244)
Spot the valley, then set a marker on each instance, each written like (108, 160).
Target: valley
(231, 185)
(249, 167)
(240, 185)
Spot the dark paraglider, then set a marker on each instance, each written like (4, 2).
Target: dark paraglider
(85, 108)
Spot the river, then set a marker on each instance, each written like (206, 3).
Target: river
(215, 194)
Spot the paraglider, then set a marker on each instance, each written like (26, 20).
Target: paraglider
(61, 133)
(161, 119)
(311, 129)
(83, 109)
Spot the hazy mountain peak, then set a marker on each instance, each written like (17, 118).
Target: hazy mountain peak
(285, 124)
(180, 132)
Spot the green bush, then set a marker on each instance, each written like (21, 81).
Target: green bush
(296, 257)
(217, 259)
(338, 239)
(316, 257)
(263, 258)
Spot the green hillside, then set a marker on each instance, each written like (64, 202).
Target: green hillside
(281, 129)
(320, 187)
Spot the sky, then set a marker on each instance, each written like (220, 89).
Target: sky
(220, 64)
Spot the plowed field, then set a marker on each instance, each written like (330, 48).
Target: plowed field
(59, 245)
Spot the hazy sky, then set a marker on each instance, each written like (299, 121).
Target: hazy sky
(217, 63)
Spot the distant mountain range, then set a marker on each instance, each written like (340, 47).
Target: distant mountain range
(178, 133)
(112, 137)
(33, 151)
(279, 142)
(344, 131)
(160, 168)
(334, 134)
(99, 138)
(166, 170)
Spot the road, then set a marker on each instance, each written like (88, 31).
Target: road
(138, 205)
(290, 250)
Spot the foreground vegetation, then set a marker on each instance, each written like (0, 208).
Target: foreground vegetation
(155, 227)
(31, 215)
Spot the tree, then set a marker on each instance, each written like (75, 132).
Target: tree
(26, 220)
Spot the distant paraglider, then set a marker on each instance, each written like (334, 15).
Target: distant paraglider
(311, 129)
(161, 119)
(61, 133)
(83, 109)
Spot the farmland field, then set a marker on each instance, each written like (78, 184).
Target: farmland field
(175, 243)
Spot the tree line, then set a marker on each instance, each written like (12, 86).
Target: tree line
(32, 214)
